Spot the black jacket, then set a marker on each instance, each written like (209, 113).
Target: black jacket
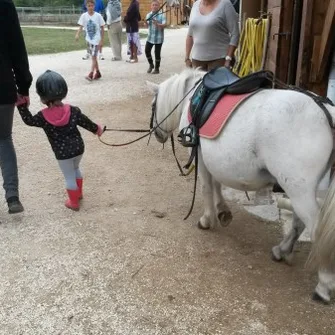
(65, 139)
(14, 67)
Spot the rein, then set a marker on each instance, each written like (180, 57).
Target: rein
(129, 130)
(148, 132)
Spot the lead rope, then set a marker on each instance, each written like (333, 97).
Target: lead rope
(182, 173)
(195, 184)
(149, 132)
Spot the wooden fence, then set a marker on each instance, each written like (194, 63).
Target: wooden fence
(49, 15)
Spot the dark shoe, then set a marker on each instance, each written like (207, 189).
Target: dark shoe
(151, 67)
(156, 71)
(89, 77)
(14, 205)
(97, 75)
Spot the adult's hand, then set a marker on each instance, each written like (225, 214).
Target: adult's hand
(227, 64)
(188, 62)
(22, 100)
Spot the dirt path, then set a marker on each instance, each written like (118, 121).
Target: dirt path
(127, 263)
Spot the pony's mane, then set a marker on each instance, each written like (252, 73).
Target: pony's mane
(172, 91)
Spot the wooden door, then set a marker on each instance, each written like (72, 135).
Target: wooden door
(278, 53)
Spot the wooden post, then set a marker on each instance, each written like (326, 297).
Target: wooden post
(327, 41)
(305, 45)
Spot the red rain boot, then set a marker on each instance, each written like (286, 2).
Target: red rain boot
(73, 201)
(80, 187)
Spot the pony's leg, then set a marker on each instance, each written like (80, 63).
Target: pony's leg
(325, 286)
(285, 248)
(209, 218)
(306, 211)
(223, 213)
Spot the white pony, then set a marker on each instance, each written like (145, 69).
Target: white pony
(274, 136)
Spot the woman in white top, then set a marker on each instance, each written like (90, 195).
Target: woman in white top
(213, 34)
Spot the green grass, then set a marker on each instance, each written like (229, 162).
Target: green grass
(47, 41)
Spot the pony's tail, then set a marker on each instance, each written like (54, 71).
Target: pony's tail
(322, 255)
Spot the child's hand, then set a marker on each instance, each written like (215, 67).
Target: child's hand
(101, 130)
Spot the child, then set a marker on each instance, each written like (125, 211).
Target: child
(60, 121)
(93, 23)
(99, 8)
(131, 19)
(156, 23)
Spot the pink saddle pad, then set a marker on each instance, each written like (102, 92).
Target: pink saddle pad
(220, 115)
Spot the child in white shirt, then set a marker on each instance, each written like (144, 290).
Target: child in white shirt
(94, 24)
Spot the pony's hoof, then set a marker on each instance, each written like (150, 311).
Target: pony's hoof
(225, 218)
(202, 226)
(276, 254)
(318, 298)
(288, 258)
(321, 294)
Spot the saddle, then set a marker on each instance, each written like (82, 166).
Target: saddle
(218, 82)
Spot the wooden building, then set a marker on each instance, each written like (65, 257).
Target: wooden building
(174, 16)
(300, 41)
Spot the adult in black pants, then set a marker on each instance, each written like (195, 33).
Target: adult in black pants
(15, 81)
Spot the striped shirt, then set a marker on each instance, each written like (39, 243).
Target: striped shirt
(155, 34)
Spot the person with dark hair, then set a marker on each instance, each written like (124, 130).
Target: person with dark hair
(131, 20)
(15, 81)
(59, 121)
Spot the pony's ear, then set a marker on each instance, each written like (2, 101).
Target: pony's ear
(152, 87)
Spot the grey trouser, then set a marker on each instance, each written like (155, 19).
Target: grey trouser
(115, 34)
(70, 169)
(8, 161)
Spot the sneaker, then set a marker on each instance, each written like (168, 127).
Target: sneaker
(156, 71)
(87, 56)
(14, 205)
(101, 57)
(89, 77)
(150, 68)
(97, 75)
